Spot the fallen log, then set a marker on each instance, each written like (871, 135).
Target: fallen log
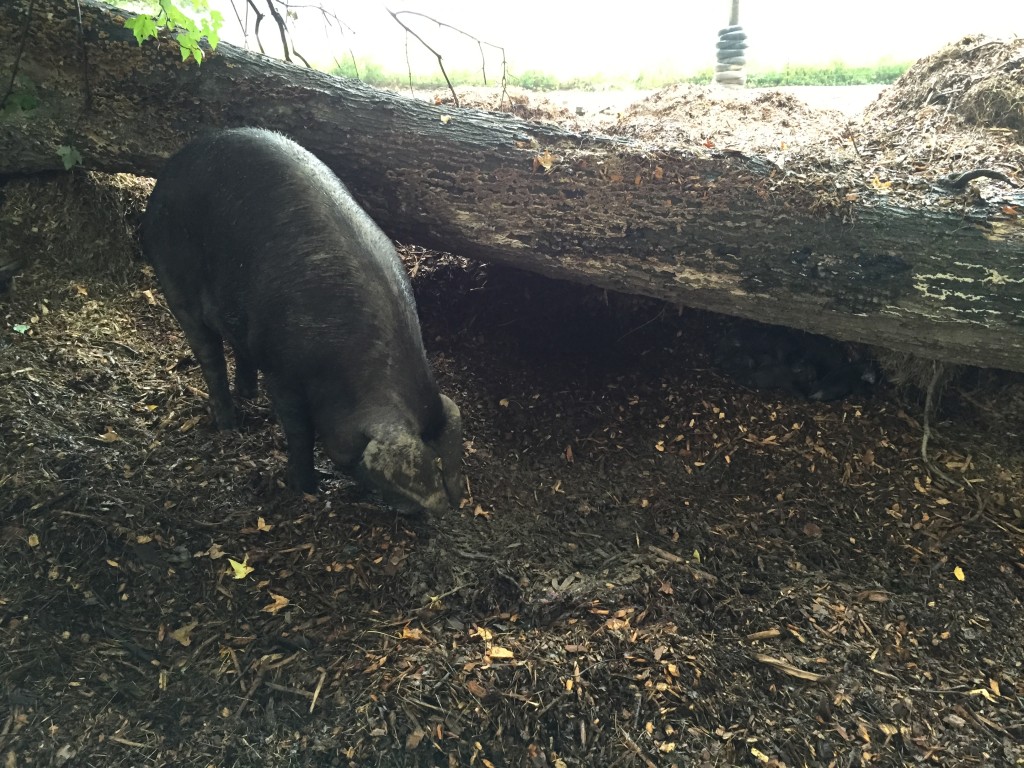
(922, 266)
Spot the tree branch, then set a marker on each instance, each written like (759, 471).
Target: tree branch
(480, 44)
(17, 57)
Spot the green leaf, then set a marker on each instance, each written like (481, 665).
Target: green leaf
(143, 27)
(21, 327)
(70, 156)
(189, 31)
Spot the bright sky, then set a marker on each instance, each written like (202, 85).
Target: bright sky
(570, 38)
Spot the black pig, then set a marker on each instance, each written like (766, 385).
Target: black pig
(256, 242)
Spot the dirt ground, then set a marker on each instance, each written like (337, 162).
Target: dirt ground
(658, 563)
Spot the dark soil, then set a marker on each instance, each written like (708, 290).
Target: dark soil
(657, 565)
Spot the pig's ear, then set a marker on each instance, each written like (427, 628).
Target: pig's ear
(448, 446)
(405, 471)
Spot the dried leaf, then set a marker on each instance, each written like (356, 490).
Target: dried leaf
(481, 633)
(862, 731)
(280, 601)
(183, 635)
(109, 435)
(415, 737)
(958, 572)
(239, 570)
(545, 161)
(497, 652)
(411, 633)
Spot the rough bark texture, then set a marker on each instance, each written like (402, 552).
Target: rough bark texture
(715, 230)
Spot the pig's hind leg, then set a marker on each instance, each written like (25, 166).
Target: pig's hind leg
(208, 347)
(246, 376)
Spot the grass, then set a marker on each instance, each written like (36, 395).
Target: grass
(837, 73)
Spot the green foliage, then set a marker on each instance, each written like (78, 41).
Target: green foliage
(836, 73)
(188, 31)
(22, 97)
(70, 156)
(535, 80)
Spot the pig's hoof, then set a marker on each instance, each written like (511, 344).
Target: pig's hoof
(303, 482)
(225, 421)
(246, 391)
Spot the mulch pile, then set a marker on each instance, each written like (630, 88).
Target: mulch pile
(657, 565)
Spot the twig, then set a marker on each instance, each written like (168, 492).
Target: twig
(636, 748)
(12, 374)
(480, 45)
(319, 687)
(256, 27)
(929, 405)
(286, 689)
(283, 29)
(247, 699)
(241, 25)
(17, 57)
(440, 59)
(85, 59)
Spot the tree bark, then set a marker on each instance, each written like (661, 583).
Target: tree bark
(716, 230)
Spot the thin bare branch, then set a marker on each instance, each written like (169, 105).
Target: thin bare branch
(259, 20)
(282, 28)
(17, 58)
(440, 60)
(241, 24)
(480, 45)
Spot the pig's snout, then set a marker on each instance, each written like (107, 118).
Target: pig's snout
(448, 447)
(409, 473)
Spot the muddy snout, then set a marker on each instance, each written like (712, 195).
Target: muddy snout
(413, 476)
